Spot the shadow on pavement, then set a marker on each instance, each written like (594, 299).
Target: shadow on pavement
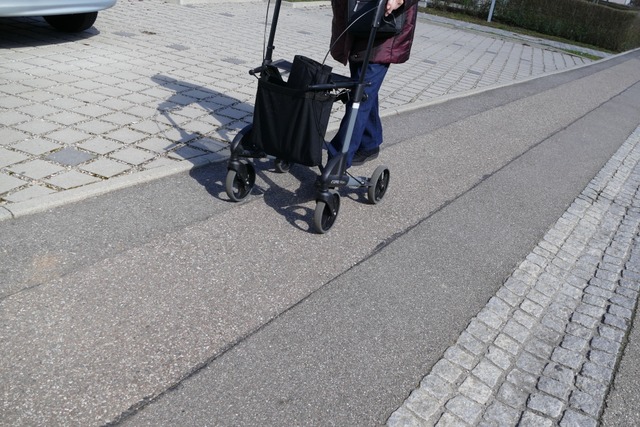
(275, 188)
(34, 32)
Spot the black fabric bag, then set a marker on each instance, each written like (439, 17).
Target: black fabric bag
(289, 122)
(360, 18)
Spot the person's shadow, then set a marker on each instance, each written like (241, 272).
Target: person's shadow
(291, 204)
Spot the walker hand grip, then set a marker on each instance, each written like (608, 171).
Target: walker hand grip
(337, 85)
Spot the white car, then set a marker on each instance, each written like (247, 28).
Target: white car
(64, 15)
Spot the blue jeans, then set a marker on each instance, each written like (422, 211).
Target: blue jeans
(367, 131)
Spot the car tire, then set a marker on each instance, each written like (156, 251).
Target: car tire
(72, 23)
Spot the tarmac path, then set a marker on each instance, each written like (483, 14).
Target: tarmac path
(239, 316)
(164, 304)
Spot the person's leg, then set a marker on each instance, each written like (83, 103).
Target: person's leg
(367, 131)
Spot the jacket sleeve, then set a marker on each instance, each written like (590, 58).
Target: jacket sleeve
(345, 47)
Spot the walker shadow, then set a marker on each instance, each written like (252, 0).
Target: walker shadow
(289, 203)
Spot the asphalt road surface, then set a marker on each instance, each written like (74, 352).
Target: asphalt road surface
(164, 304)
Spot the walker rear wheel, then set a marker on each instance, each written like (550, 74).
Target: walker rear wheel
(325, 215)
(378, 184)
(239, 184)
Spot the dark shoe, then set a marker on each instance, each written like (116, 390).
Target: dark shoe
(361, 157)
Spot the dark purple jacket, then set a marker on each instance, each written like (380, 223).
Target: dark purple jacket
(394, 50)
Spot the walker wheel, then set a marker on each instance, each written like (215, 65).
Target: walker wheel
(282, 166)
(240, 183)
(325, 215)
(378, 184)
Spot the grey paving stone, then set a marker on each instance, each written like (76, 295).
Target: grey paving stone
(509, 296)
(96, 127)
(629, 294)
(105, 168)
(488, 373)
(423, 405)
(447, 370)
(8, 183)
(596, 372)
(490, 318)
(554, 323)
(548, 284)
(554, 387)
(620, 311)
(598, 291)
(546, 334)
(604, 344)
(568, 358)
(460, 357)
(464, 408)
(476, 390)
(516, 331)
(499, 357)
(72, 179)
(436, 386)
(531, 364)
(35, 169)
(630, 283)
(585, 403)
(611, 333)
(592, 387)
(595, 300)
(30, 192)
(574, 343)
(573, 418)
(539, 298)
(602, 358)
(471, 344)
(560, 373)
(499, 307)
(126, 136)
(185, 153)
(571, 291)
(100, 146)
(616, 321)
(585, 320)
(133, 156)
(37, 127)
(517, 286)
(499, 414)
(524, 319)
(522, 380)
(70, 156)
(609, 285)
(545, 404)
(507, 343)
(539, 348)
(405, 418)
(10, 157)
(449, 420)
(530, 419)
(481, 331)
(69, 136)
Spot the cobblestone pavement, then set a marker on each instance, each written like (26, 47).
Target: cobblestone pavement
(543, 351)
(155, 88)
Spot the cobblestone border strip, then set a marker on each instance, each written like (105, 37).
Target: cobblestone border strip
(543, 351)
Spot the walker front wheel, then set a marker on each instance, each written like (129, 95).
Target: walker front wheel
(239, 183)
(325, 214)
(378, 184)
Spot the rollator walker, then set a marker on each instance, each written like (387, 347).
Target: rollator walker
(289, 123)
